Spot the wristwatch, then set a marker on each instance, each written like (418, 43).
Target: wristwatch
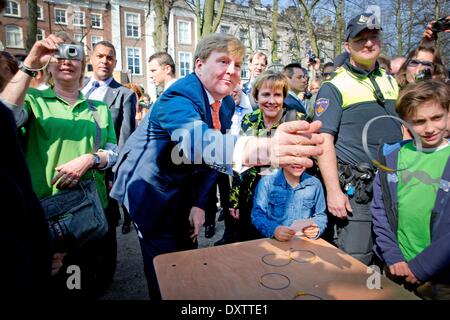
(97, 160)
(27, 70)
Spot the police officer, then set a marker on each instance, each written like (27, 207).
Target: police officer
(357, 92)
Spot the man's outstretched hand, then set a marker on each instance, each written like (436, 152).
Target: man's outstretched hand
(293, 143)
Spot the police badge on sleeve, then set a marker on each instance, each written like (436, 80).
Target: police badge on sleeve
(321, 106)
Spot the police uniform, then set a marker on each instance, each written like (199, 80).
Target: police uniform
(345, 103)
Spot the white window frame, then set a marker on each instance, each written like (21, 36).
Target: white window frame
(42, 33)
(20, 45)
(138, 25)
(92, 40)
(8, 14)
(83, 17)
(188, 56)
(40, 13)
(77, 37)
(188, 38)
(65, 16)
(261, 36)
(140, 60)
(245, 40)
(100, 19)
(245, 72)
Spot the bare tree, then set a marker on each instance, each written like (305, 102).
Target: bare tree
(32, 23)
(160, 34)
(340, 25)
(307, 9)
(207, 22)
(398, 23)
(274, 49)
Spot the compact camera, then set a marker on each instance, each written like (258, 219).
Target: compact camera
(423, 75)
(441, 25)
(312, 58)
(70, 52)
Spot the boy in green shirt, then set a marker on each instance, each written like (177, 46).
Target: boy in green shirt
(411, 214)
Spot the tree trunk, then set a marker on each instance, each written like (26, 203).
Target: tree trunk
(198, 13)
(161, 33)
(410, 23)
(32, 24)
(398, 22)
(218, 17)
(274, 54)
(340, 24)
(437, 15)
(309, 25)
(208, 22)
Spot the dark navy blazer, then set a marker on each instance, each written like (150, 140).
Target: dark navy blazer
(166, 165)
(292, 103)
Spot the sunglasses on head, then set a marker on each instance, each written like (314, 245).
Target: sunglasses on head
(415, 63)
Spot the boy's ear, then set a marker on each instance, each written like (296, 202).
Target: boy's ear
(407, 134)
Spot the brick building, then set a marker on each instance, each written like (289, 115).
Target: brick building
(129, 25)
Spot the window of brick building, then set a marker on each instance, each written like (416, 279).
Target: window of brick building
(184, 63)
(81, 39)
(40, 13)
(184, 32)
(95, 39)
(40, 34)
(14, 37)
(79, 19)
(60, 16)
(132, 22)
(96, 21)
(134, 60)
(12, 9)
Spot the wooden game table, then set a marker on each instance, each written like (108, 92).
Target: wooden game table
(271, 270)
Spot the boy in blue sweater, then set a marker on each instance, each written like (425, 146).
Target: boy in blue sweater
(286, 196)
(411, 207)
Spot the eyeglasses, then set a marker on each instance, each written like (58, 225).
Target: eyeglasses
(364, 39)
(415, 63)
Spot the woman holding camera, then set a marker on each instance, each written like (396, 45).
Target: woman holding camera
(421, 64)
(61, 129)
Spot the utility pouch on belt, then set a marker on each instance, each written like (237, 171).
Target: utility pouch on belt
(357, 181)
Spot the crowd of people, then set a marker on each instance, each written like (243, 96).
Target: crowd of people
(275, 149)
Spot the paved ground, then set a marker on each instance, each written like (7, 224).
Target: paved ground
(129, 281)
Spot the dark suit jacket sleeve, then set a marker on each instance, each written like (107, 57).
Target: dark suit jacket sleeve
(203, 182)
(129, 117)
(184, 120)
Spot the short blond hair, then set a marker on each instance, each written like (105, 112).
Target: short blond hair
(272, 80)
(68, 40)
(219, 42)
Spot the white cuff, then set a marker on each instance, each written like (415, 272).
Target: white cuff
(238, 154)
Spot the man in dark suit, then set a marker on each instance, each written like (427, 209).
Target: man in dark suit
(164, 170)
(24, 236)
(297, 83)
(122, 105)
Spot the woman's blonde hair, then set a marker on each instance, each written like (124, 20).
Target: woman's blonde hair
(272, 80)
(68, 40)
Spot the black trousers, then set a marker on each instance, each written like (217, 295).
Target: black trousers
(155, 245)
